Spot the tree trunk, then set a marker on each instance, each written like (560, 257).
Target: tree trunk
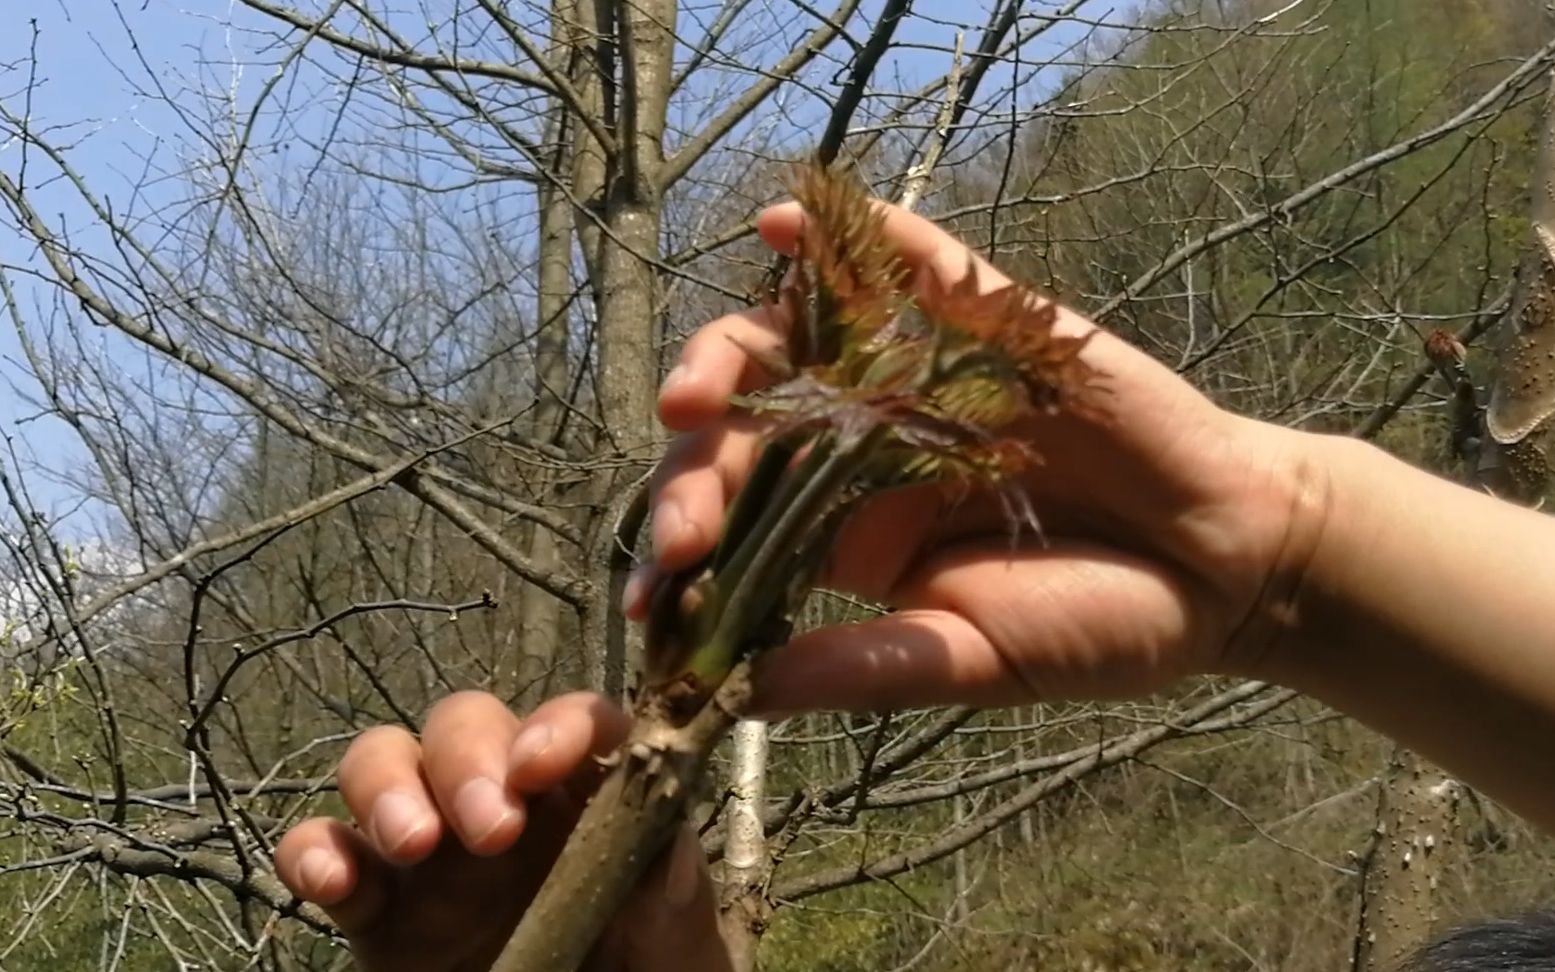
(744, 908)
(1414, 846)
(640, 37)
(963, 889)
(1514, 458)
(540, 614)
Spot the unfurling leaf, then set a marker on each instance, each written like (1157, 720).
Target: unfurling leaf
(947, 379)
(875, 389)
(849, 281)
(1021, 326)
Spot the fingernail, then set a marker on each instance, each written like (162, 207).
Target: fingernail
(482, 808)
(636, 589)
(680, 884)
(531, 742)
(668, 523)
(397, 819)
(320, 870)
(678, 375)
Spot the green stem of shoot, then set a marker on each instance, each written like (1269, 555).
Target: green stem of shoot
(761, 572)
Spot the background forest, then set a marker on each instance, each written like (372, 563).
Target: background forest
(331, 382)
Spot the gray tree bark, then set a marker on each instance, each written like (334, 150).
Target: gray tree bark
(747, 866)
(633, 70)
(1415, 844)
(1514, 458)
(540, 614)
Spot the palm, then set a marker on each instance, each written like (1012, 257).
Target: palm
(1167, 523)
(1139, 577)
(449, 914)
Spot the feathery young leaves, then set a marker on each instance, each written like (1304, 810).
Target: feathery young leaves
(888, 377)
(946, 370)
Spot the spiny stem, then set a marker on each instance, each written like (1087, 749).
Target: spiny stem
(627, 823)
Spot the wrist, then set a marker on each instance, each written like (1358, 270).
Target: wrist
(1376, 522)
(1423, 612)
(1310, 486)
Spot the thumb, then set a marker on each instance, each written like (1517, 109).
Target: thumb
(670, 924)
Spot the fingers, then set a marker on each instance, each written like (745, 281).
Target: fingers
(912, 658)
(465, 745)
(560, 743)
(695, 482)
(326, 862)
(380, 780)
(395, 885)
(405, 793)
(984, 626)
(469, 772)
(716, 363)
(670, 923)
(480, 760)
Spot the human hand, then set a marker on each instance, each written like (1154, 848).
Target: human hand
(1175, 533)
(457, 830)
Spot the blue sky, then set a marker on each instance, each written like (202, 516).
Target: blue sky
(88, 90)
(98, 65)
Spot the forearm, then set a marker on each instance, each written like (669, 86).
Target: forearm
(1428, 613)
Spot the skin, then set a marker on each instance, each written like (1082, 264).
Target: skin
(456, 830)
(1180, 540)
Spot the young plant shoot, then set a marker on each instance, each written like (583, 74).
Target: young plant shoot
(887, 377)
